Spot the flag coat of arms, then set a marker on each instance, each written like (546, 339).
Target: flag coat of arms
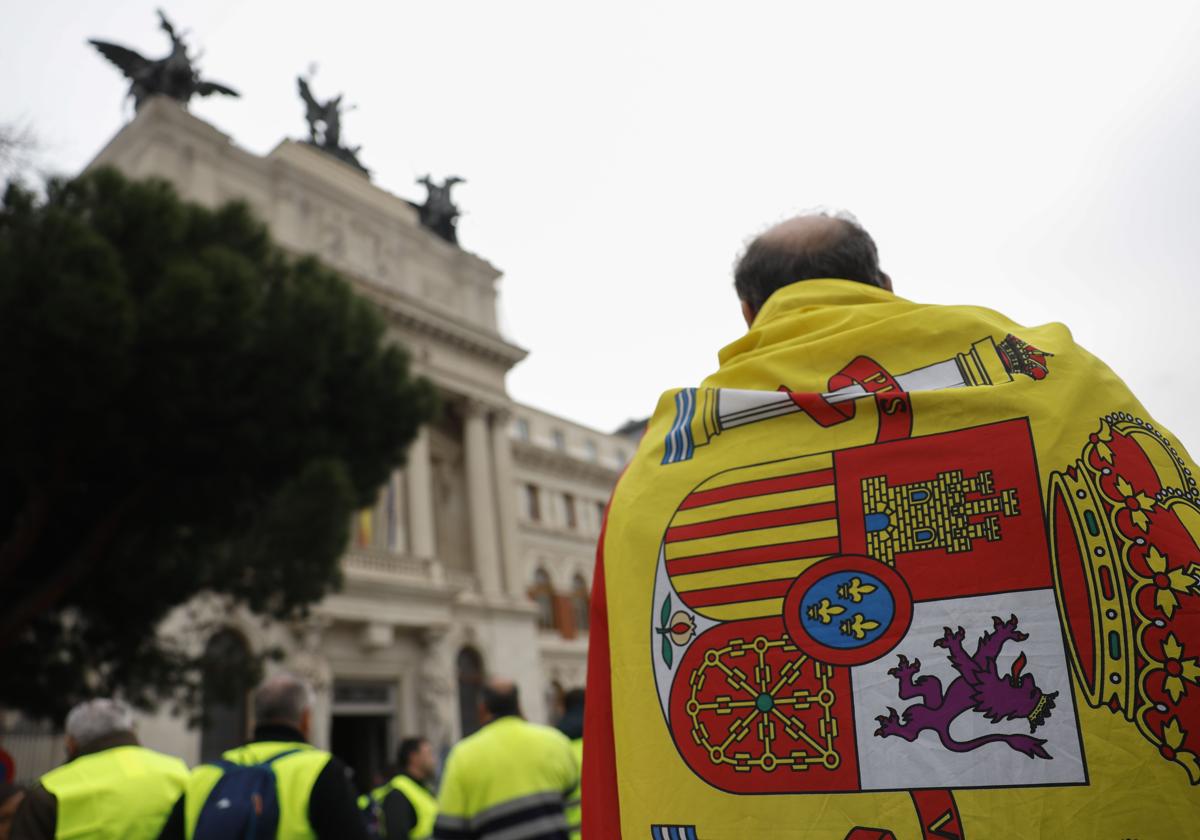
(897, 571)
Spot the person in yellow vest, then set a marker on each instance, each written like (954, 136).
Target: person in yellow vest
(405, 807)
(571, 725)
(313, 791)
(509, 780)
(111, 787)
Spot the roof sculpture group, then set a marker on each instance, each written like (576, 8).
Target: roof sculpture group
(177, 76)
(325, 125)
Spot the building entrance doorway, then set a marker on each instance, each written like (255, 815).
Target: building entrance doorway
(362, 742)
(362, 730)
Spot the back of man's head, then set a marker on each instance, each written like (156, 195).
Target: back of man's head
(571, 722)
(407, 749)
(283, 699)
(92, 720)
(499, 698)
(814, 245)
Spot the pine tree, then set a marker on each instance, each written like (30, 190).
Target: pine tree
(185, 409)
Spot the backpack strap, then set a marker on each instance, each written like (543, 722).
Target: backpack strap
(278, 756)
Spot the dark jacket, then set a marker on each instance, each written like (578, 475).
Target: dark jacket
(399, 815)
(332, 807)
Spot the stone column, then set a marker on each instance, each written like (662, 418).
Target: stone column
(481, 498)
(506, 505)
(419, 493)
(436, 689)
(309, 662)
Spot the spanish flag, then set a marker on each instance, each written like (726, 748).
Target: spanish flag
(897, 571)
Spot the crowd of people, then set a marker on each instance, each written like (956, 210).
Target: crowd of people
(512, 778)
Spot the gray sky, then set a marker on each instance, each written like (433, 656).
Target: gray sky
(1041, 159)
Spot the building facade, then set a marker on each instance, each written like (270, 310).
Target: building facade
(477, 557)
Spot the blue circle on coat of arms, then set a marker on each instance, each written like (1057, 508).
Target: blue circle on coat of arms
(847, 610)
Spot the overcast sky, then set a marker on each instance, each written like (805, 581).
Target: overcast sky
(1038, 158)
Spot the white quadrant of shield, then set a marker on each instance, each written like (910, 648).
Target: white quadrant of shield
(893, 763)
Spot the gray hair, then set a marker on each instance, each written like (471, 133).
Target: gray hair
(95, 719)
(282, 699)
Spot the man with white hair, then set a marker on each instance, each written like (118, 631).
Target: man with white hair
(111, 787)
(311, 787)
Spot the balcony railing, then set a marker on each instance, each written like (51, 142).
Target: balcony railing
(378, 562)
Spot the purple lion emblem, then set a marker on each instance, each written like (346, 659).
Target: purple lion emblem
(979, 688)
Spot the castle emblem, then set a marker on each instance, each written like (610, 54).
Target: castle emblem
(950, 512)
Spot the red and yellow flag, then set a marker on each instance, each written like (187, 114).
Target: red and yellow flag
(897, 571)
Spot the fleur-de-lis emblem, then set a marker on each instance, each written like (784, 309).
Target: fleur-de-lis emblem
(855, 590)
(858, 627)
(825, 611)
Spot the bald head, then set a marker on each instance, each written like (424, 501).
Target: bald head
(807, 247)
(807, 234)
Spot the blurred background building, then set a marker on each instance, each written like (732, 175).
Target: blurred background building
(477, 557)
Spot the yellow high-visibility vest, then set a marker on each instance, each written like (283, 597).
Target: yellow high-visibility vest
(511, 772)
(423, 802)
(122, 793)
(295, 776)
(574, 800)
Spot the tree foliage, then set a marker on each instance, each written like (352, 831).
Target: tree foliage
(185, 409)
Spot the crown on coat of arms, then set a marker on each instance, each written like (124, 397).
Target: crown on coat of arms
(1125, 520)
(1018, 356)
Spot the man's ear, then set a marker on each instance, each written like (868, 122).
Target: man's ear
(748, 313)
(306, 723)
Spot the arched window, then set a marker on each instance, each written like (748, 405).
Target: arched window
(580, 603)
(470, 682)
(229, 673)
(542, 593)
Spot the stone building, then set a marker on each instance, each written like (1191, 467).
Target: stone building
(478, 556)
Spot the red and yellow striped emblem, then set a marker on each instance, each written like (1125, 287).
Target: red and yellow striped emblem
(739, 539)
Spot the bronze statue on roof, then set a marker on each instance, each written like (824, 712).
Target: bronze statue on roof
(175, 75)
(439, 212)
(325, 125)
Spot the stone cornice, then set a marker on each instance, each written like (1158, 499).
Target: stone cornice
(421, 319)
(476, 604)
(556, 646)
(547, 460)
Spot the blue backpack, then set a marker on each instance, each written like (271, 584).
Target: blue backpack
(243, 804)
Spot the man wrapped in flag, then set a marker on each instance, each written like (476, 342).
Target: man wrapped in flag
(895, 571)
